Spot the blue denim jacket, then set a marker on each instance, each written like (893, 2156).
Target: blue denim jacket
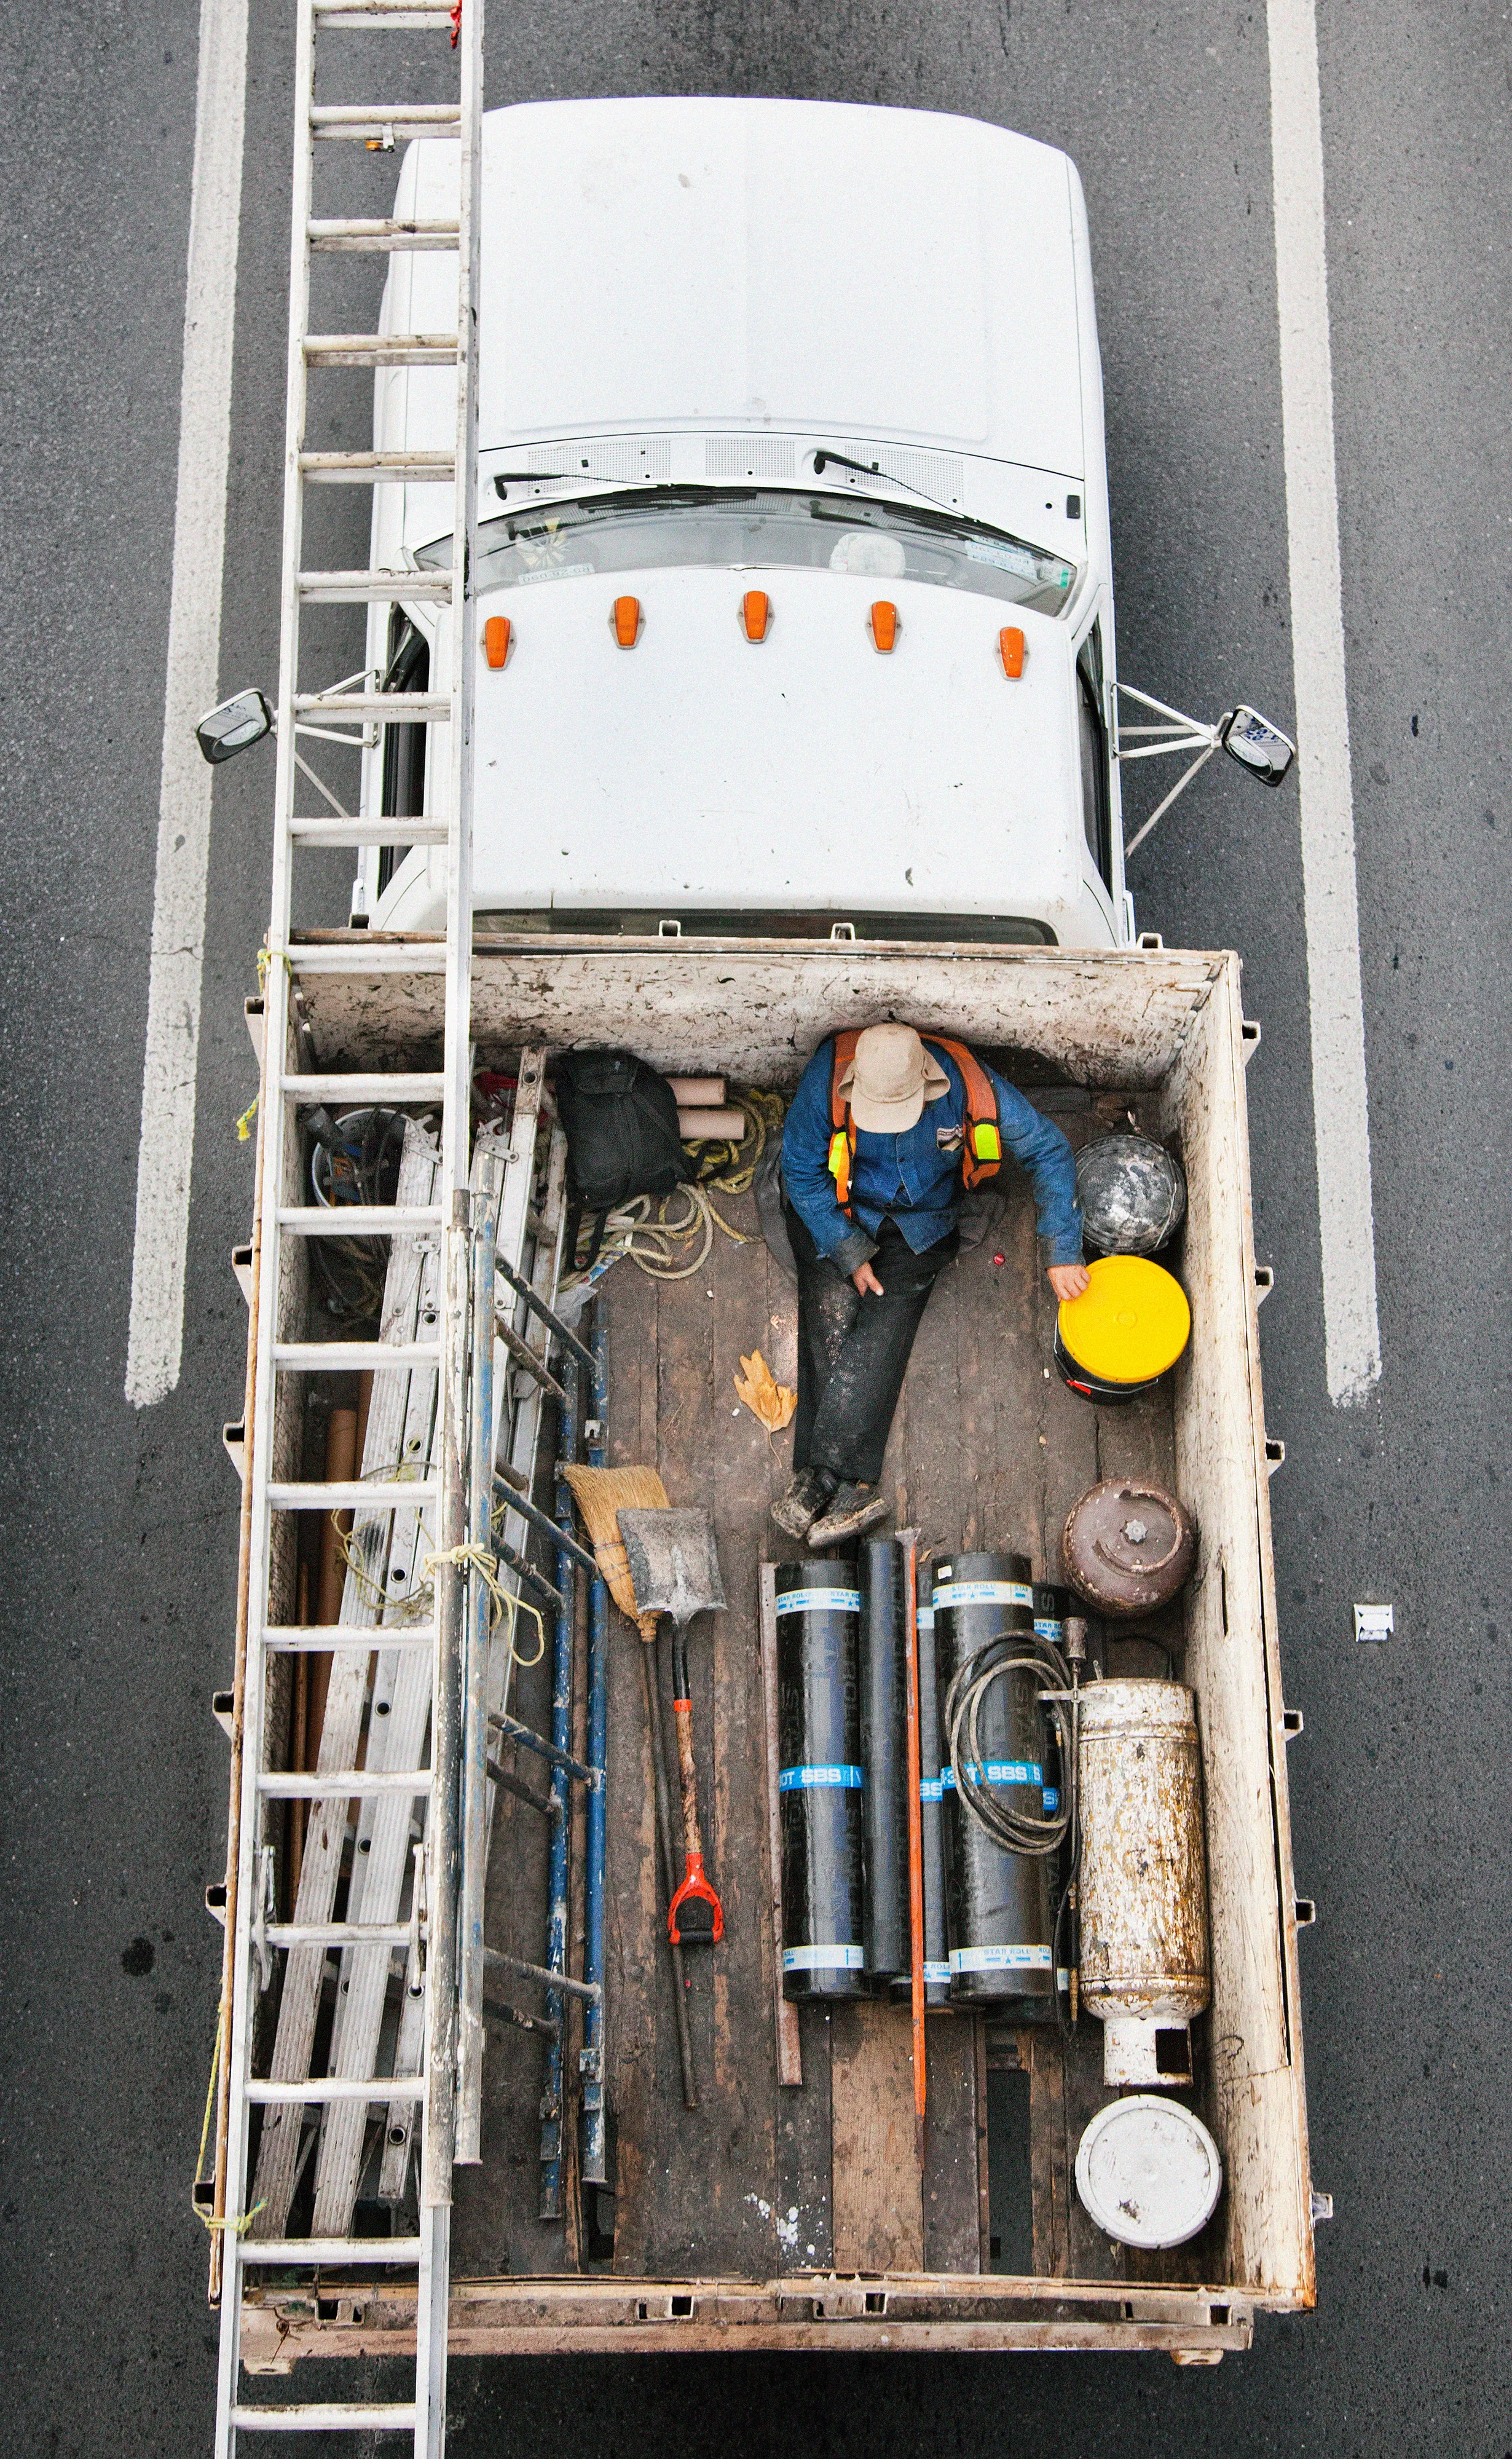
(912, 1176)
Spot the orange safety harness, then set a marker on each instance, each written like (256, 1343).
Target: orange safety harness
(981, 1152)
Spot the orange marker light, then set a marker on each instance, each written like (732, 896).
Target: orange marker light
(627, 621)
(497, 640)
(884, 624)
(755, 614)
(1011, 650)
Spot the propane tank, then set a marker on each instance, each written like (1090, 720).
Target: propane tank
(1144, 1883)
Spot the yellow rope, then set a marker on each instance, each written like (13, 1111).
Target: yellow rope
(500, 1601)
(243, 1124)
(208, 2219)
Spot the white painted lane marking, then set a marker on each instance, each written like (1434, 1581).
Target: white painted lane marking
(165, 1155)
(1341, 1111)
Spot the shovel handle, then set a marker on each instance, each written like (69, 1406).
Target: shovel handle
(695, 1888)
(692, 1839)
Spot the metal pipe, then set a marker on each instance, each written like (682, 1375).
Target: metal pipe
(538, 1307)
(508, 1783)
(505, 2013)
(514, 1731)
(520, 1502)
(524, 1355)
(554, 1981)
(595, 2141)
(474, 1717)
(528, 1572)
(908, 1541)
(550, 2202)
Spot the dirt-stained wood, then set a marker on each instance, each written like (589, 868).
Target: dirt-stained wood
(753, 1009)
(878, 2205)
(950, 2200)
(804, 2208)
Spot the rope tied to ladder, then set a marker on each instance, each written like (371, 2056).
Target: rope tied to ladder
(502, 1603)
(208, 2219)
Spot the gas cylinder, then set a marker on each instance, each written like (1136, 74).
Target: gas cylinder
(1144, 1883)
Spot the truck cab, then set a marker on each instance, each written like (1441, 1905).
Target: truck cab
(793, 495)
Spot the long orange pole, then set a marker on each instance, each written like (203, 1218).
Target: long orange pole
(908, 1538)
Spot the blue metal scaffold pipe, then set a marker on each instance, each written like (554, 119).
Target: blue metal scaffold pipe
(595, 2137)
(555, 1958)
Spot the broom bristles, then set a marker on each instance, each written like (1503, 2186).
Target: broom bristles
(601, 1493)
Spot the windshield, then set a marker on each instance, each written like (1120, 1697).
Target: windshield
(736, 528)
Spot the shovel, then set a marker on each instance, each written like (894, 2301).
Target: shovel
(673, 1569)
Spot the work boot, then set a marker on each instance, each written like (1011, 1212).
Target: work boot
(853, 1508)
(798, 1508)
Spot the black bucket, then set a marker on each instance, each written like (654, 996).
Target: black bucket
(1094, 1387)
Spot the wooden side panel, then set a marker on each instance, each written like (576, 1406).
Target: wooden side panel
(756, 1009)
(1258, 2105)
(878, 2207)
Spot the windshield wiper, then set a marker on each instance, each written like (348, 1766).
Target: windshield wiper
(873, 469)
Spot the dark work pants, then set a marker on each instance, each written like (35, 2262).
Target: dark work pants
(853, 1351)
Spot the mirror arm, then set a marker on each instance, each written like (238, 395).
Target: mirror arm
(321, 788)
(1180, 787)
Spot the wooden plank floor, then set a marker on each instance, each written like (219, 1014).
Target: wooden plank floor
(987, 1450)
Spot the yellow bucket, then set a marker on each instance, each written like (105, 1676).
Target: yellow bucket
(1124, 1331)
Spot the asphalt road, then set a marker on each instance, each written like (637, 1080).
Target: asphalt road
(119, 1530)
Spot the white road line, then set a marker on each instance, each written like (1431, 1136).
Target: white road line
(165, 1155)
(1340, 1112)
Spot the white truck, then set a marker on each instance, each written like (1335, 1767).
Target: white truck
(834, 356)
(794, 706)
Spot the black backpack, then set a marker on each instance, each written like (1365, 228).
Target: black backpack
(622, 1137)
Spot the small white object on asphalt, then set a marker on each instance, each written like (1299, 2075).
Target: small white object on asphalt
(1374, 1622)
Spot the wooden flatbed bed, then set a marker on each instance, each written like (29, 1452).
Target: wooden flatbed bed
(799, 2215)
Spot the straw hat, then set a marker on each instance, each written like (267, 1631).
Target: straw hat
(890, 1080)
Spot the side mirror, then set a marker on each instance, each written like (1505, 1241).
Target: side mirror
(229, 728)
(1256, 745)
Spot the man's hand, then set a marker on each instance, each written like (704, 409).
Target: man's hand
(866, 1281)
(1067, 1280)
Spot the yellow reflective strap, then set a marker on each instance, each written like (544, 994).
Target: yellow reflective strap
(839, 1156)
(986, 1142)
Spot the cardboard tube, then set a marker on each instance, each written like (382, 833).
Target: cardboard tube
(697, 1092)
(729, 1125)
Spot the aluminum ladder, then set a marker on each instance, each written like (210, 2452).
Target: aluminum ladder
(273, 1489)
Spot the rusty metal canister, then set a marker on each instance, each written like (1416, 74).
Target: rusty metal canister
(1144, 1883)
(1129, 1545)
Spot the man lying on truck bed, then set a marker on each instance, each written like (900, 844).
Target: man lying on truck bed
(886, 1131)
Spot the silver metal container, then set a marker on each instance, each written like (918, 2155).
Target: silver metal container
(1143, 1888)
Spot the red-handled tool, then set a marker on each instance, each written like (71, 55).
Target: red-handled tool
(673, 1569)
(695, 1916)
